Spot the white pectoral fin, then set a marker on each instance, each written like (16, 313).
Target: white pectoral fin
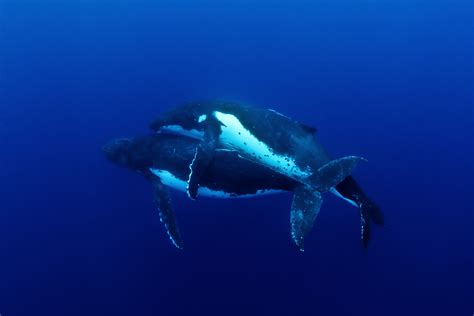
(236, 136)
(304, 210)
(165, 210)
(203, 157)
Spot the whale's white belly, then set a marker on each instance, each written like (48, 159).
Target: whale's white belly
(168, 179)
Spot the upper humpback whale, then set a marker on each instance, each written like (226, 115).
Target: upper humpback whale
(263, 136)
(164, 160)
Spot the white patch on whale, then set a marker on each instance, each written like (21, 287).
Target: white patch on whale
(235, 136)
(168, 179)
(176, 129)
(202, 118)
(191, 174)
(339, 195)
(278, 113)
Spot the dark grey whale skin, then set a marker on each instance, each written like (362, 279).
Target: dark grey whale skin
(228, 175)
(285, 136)
(228, 172)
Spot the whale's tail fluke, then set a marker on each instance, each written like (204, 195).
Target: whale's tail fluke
(350, 190)
(373, 210)
(307, 198)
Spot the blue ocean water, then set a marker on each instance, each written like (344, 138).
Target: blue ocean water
(389, 80)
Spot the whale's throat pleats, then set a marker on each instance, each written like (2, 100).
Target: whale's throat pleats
(236, 136)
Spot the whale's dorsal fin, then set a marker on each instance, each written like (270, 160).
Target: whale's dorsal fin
(304, 210)
(163, 203)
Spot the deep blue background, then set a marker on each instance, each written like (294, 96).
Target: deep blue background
(391, 80)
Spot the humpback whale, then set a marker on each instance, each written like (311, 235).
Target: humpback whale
(263, 136)
(164, 160)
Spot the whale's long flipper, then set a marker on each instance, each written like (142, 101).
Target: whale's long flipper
(203, 156)
(165, 209)
(304, 210)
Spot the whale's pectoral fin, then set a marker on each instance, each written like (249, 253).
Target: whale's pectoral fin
(304, 210)
(332, 173)
(165, 209)
(203, 156)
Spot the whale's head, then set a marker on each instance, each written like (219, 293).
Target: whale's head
(119, 151)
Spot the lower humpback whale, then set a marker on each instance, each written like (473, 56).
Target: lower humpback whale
(164, 160)
(265, 137)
